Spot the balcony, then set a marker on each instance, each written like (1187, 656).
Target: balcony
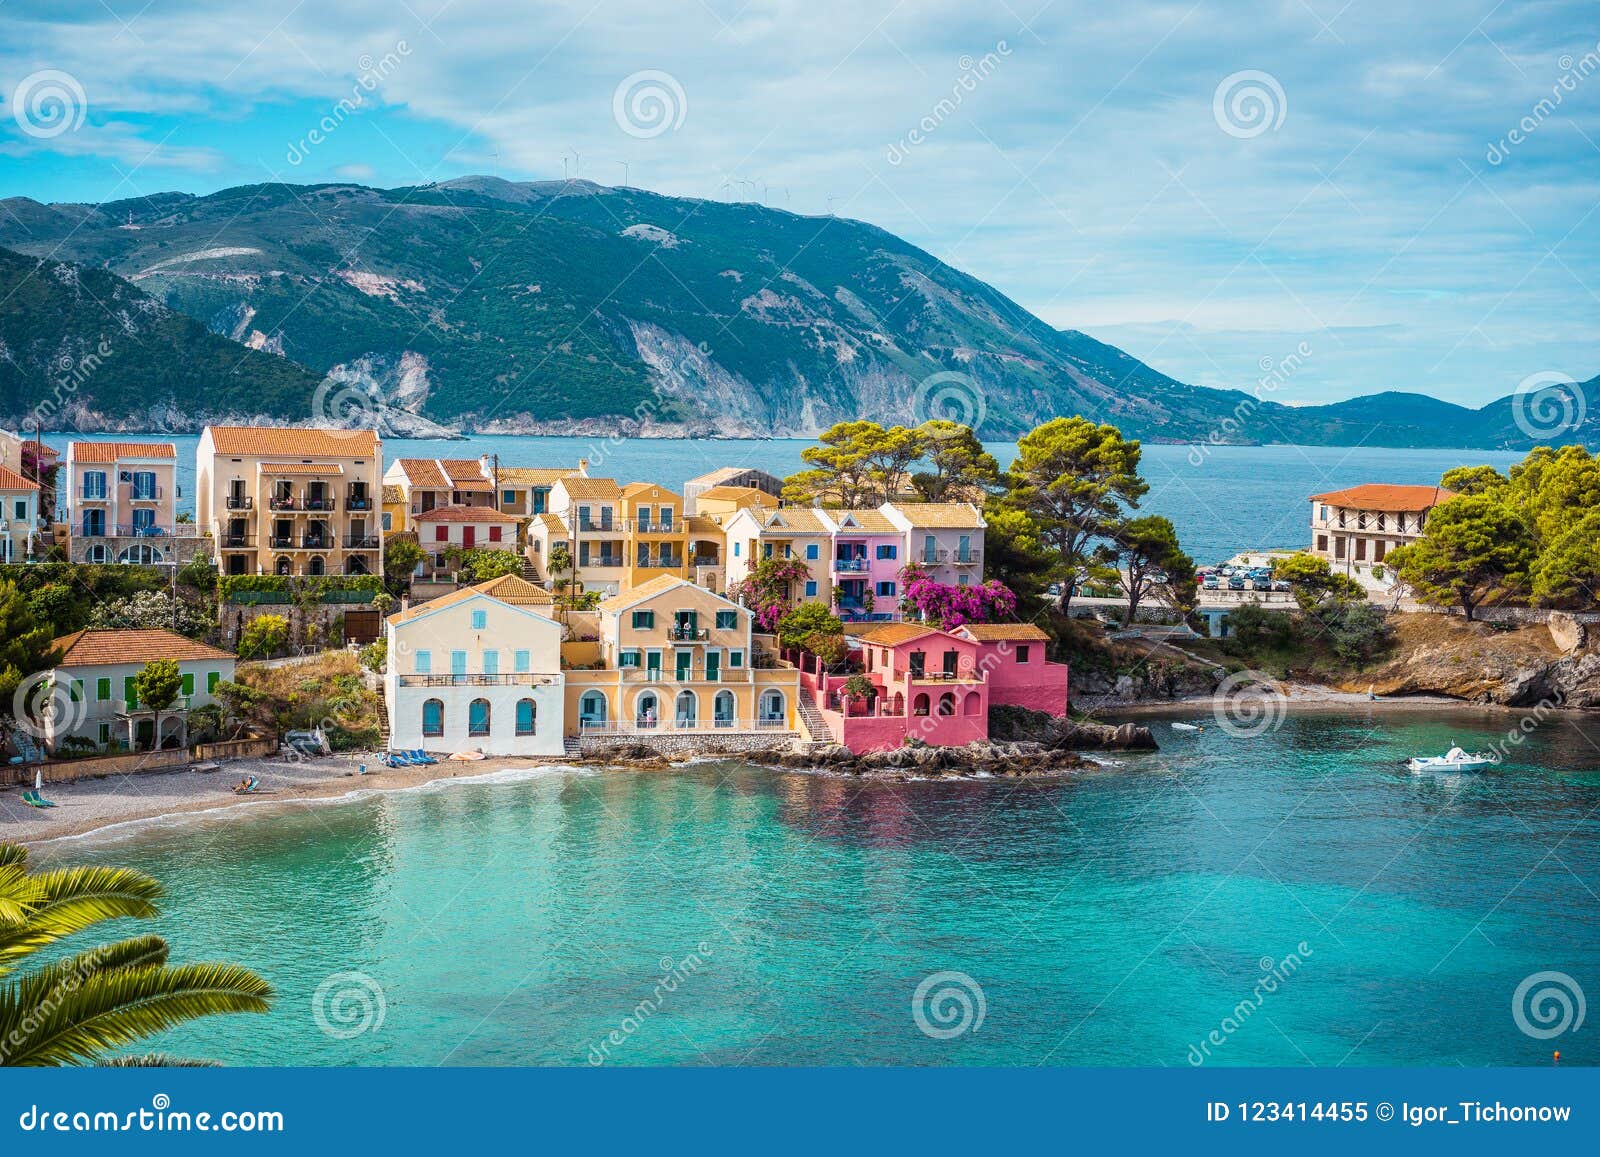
(318, 541)
(601, 560)
(239, 502)
(362, 541)
(147, 494)
(661, 562)
(123, 530)
(850, 566)
(358, 501)
(654, 726)
(968, 558)
(87, 496)
(301, 502)
(688, 634)
(701, 560)
(518, 679)
(604, 526)
(236, 541)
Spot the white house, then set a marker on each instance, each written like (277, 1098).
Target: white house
(479, 670)
(19, 516)
(98, 666)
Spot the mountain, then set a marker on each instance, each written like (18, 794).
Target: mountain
(565, 306)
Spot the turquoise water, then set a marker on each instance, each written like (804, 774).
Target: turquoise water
(1222, 499)
(1116, 917)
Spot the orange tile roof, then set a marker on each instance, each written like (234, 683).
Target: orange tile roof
(445, 473)
(1386, 496)
(293, 441)
(647, 590)
(111, 451)
(300, 468)
(634, 489)
(867, 521)
(940, 515)
(11, 480)
(584, 487)
(743, 494)
(995, 632)
(392, 494)
(535, 475)
(516, 590)
(465, 514)
(500, 590)
(893, 634)
(101, 648)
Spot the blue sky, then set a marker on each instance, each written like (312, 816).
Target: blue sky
(1364, 196)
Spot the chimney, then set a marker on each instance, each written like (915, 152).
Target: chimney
(583, 467)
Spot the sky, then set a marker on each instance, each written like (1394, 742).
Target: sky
(1394, 195)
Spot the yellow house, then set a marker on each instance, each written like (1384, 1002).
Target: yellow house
(674, 658)
(657, 533)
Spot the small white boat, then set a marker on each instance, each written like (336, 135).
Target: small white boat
(1453, 760)
(1186, 727)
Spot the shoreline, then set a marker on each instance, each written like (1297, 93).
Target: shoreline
(1301, 697)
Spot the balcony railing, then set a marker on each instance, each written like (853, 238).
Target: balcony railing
(280, 541)
(86, 496)
(850, 565)
(239, 502)
(647, 727)
(236, 541)
(124, 530)
(146, 494)
(689, 634)
(358, 501)
(958, 557)
(598, 527)
(601, 560)
(700, 560)
(362, 541)
(517, 679)
(301, 502)
(662, 562)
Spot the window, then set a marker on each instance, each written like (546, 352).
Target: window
(886, 590)
(644, 620)
(187, 683)
(521, 662)
(888, 550)
(1322, 543)
(388, 522)
(735, 658)
(812, 553)
(727, 620)
(666, 518)
(736, 550)
(212, 679)
(22, 510)
(441, 534)
(480, 620)
(508, 498)
(628, 659)
(1324, 513)
(527, 716)
(930, 548)
(1022, 652)
(424, 662)
(94, 484)
(811, 589)
(478, 717)
(105, 734)
(458, 662)
(433, 718)
(494, 534)
(963, 580)
(102, 689)
(652, 664)
(491, 662)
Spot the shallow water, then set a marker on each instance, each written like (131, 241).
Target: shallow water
(727, 914)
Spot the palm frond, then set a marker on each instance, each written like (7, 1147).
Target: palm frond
(155, 1061)
(112, 1009)
(69, 900)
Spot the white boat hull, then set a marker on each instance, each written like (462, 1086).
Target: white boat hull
(1439, 763)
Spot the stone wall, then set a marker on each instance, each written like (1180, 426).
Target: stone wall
(689, 743)
(1525, 616)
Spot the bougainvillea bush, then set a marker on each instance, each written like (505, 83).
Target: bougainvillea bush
(766, 589)
(950, 606)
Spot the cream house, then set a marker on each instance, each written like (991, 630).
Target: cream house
(795, 533)
(291, 501)
(1356, 528)
(479, 669)
(943, 539)
(19, 517)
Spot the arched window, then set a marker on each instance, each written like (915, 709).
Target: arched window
(527, 716)
(688, 709)
(478, 717)
(970, 705)
(647, 710)
(947, 703)
(722, 709)
(919, 705)
(141, 555)
(773, 707)
(433, 718)
(283, 566)
(316, 565)
(592, 709)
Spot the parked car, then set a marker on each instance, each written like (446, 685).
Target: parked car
(1210, 582)
(1282, 585)
(1261, 584)
(1054, 590)
(1236, 582)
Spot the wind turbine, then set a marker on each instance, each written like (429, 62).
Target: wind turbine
(624, 165)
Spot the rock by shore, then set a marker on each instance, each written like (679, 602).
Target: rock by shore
(993, 759)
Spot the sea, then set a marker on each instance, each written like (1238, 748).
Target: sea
(1221, 499)
(1291, 896)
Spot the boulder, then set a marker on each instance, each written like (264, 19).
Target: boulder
(1566, 632)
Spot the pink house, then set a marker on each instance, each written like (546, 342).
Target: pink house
(1012, 655)
(868, 555)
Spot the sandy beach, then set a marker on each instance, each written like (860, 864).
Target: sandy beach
(93, 804)
(1296, 697)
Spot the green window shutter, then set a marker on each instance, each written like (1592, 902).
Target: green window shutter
(735, 659)
(188, 683)
(212, 679)
(129, 694)
(77, 690)
(727, 620)
(102, 689)
(644, 620)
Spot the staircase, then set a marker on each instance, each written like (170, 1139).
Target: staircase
(812, 718)
(529, 571)
(570, 747)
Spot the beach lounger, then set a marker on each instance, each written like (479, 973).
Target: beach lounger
(247, 788)
(34, 799)
(420, 756)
